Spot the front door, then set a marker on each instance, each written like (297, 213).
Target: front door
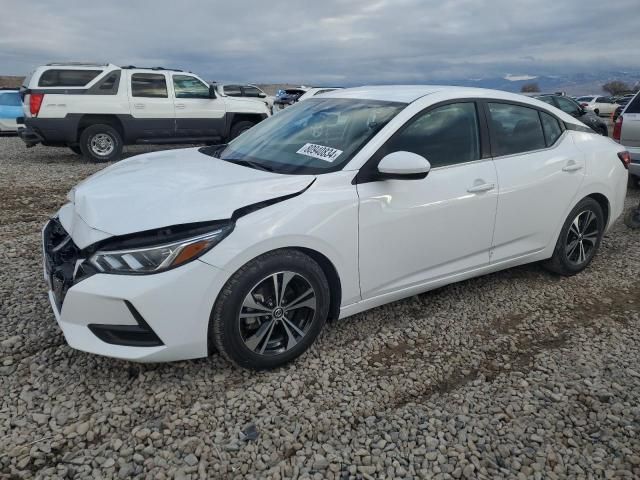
(413, 232)
(197, 114)
(151, 107)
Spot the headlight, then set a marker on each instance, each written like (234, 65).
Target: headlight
(157, 258)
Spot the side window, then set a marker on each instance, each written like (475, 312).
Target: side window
(515, 129)
(187, 86)
(568, 106)
(251, 92)
(546, 99)
(149, 85)
(551, 128)
(602, 100)
(634, 105)
(445, 135)
(233, 90)
(67, 78)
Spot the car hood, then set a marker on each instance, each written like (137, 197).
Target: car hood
(172, 187)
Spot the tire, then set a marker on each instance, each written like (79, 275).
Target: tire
(597, 111)
(239, 128)
(101, 143)
(75, 149)
(632, 219)
(267, 341)
(570, 262)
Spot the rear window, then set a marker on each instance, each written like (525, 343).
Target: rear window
(67, 78)
(10, 99)
(634, 106)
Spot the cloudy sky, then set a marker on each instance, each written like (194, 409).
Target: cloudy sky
(329, 41)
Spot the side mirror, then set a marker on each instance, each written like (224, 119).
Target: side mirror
(212, 91)
(403, 166)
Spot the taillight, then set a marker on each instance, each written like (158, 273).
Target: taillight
(617, 128)
(35, 102)
(625, 158)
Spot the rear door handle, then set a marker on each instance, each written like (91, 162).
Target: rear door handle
(138, 105)
(483, 187)
(572, 167)
(180, 105)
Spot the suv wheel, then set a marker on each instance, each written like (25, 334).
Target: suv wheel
(579, 239)
(271, 310)
(239, 128)
(101, 143)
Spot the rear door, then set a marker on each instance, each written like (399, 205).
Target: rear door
(197, 114)
(152, 108)
(630, 134)
(539, 172)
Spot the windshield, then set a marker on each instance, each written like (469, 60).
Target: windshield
(316, 136)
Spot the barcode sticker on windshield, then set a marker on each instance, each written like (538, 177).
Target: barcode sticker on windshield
(327, 154)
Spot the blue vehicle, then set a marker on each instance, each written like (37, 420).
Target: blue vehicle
(10, 109)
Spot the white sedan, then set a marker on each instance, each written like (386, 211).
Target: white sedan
(335, 206)
(603, 106)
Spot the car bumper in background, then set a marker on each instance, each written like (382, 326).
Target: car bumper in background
(29, 136)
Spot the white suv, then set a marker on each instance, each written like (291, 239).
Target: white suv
(97, 109)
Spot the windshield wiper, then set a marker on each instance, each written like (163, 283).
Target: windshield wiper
(249, 163)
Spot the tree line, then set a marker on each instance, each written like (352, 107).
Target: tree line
(614, 87)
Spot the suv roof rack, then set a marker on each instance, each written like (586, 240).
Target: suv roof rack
(76, 64)
(131, 67)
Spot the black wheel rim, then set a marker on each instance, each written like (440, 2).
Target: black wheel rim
(277, 313)
(582, 238)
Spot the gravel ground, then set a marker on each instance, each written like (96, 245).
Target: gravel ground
(519, 374)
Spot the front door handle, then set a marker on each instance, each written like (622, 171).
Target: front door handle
(572, 167)
(180, 105)
(483, 187)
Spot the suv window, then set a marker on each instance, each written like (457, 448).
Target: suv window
(251, 92)
(67, 78)
(150, 85)
(444, 136)
(551, 128)
(634, 106)
(187, 86)
(568, 106)
(602, 100)
(233, 90)
(515, 129)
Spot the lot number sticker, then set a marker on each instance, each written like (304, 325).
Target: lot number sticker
(327, 154)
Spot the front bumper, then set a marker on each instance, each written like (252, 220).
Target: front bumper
(174, 306)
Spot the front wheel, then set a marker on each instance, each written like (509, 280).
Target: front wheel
(271, 310)
(579, 239)
(239, 128)
(101, 143)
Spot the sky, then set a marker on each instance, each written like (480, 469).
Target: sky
(328, 42)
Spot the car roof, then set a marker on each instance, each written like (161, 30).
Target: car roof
(411, 93)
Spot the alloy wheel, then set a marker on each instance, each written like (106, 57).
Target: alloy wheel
(582, 237)
(277, 313)
(102, 144)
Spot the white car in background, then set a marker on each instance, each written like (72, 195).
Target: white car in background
(336, 205)
(603, 106)
(246, 91)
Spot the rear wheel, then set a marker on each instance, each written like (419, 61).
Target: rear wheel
(597, 111)
(101, 143)
(239, 128)
(579, 239)
(271, 310)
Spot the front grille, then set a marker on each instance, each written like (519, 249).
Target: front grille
(60, 257)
